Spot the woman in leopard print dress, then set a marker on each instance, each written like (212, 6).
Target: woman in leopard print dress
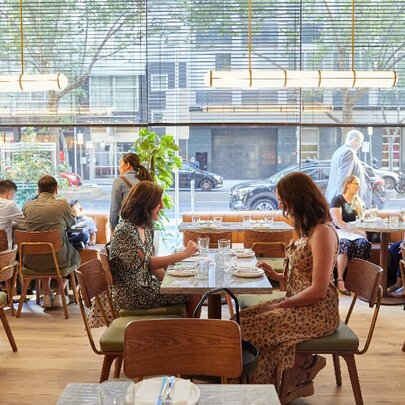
(310, 307)
(136, 271)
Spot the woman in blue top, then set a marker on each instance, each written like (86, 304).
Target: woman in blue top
(131, 172)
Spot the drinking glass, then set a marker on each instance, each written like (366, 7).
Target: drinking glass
(203, 245)
(374, 212)
(230, 261)
(394, 219)
(113, 392)
(203, 269)
(219, 260)
(195, 220)
(246, 221)
(217, 221)
(224, 245)
(268, 221)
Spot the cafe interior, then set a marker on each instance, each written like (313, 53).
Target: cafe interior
(221, 100)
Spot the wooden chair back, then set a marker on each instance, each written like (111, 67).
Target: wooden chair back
(209, 347)
(269, 249)
(252, 236)
(105, 261)
(38, 242)
(213, 236)
(8, 263)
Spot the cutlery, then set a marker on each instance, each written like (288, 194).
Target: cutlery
(159, 399)
(168, 400)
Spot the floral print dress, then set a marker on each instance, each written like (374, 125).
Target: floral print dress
(276, 332)
(134, 285)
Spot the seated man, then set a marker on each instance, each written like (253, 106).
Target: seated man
(47, 213)
(88, 234)
(397, 289)
(10, 213)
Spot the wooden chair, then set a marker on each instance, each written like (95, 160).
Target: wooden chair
(8, 274)
(4, 321)
(95, 301)
(42, 243)
(213, 236)
(208, 347)
(3, 240)
(274, 254)
(252, 236)
(363, 279)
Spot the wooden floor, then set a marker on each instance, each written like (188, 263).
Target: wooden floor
(54, 351)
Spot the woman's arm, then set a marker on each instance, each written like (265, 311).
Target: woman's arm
(323, 243)
(336, 214)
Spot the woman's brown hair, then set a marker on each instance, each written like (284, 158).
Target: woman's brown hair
(142, 172)
(303, 201)
(143, 198)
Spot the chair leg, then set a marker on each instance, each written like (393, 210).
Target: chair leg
(354, 378)
(73, 280)
(105, 371)
(9, 286)
(23, 296)
(7, 329)
(12, 292)
(63, 298)
(336, 365)
(403, 347)
(118, 364)
(38, 293)
(230, 305)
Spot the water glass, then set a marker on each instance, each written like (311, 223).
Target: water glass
(230, 262)
(246, 221)
(113, 392)
(268, 221)
(203, 269)
(374, 212)
(394, 219)
(217, 221)
(203, 245)
(219, 260)
(195, 220)
(224, 245)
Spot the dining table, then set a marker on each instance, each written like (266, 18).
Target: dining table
(384, 228)
(259, 225)
(218, 277)
(210, 394)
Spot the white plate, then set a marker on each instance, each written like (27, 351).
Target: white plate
(182, 272)
(244, 253)
(248, 273)
(155, 385)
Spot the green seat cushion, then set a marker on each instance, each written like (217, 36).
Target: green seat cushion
(276, 262)
(248, 300)
(46, 272)
(3, 298)
(343, 339)
(176, 310)
(112, 340)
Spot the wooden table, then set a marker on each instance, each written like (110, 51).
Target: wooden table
(384, 228)
(235, 227)
(210, 394)
(217, 278)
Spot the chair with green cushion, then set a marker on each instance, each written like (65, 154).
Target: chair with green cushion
(43, 243)
(169, 310)
(363, 279)
(4, 321)
(272, 253)
(98, 310)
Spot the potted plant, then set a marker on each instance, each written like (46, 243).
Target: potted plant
(158, 153)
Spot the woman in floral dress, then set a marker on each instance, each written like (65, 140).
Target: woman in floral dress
(310, 307)
(137, 272)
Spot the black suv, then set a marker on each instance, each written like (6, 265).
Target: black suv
(260, 195)
(204, 180)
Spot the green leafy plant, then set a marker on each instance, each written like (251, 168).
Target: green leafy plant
(158, 155)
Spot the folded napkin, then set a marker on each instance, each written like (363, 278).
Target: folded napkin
(146, 392)
(181, 271)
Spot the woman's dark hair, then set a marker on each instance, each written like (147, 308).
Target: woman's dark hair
(141, 171)
(303, 201)
(143, 198)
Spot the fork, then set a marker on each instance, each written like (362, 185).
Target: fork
(168, 400)
(163, 385)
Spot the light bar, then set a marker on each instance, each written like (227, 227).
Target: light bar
(23, 82)
(300, 78)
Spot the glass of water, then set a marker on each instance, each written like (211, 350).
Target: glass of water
(203, 245)
(224, 245)
(230, 262)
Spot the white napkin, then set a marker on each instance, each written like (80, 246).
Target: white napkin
(146, 391)
(182, 271)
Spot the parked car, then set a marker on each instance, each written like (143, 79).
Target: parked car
(391, 179)
(204, 180)
(73, 179)
(260, 195)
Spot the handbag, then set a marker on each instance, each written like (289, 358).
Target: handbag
(250, 353)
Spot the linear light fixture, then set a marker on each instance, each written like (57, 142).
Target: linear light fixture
(275, 108)
(23, 82)
(255, 78)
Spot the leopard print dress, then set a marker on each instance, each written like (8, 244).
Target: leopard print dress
(276, 332)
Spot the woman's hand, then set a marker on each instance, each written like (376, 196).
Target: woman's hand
(190, 249)
(268, 270)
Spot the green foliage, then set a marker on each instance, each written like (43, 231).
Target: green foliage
(159, 155)
(28, 164)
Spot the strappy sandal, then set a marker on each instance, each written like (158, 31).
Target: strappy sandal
(399, 293)
(304, 390)
(342, 291)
